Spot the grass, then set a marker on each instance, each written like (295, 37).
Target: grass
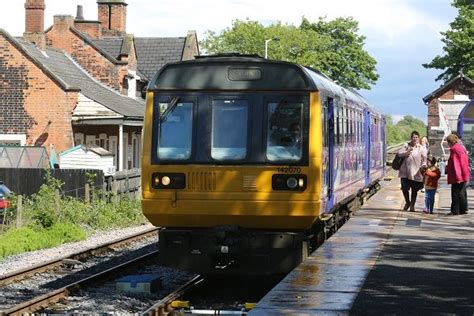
(49, 220)
(19, 240)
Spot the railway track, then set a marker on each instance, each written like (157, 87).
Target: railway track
(58, 269)
(71, 259)
(45, 300)
(170, 303)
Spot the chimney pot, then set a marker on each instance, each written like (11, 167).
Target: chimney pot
(80, 13)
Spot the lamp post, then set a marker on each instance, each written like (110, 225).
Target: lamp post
(266, 44)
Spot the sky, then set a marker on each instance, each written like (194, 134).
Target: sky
(400, 34)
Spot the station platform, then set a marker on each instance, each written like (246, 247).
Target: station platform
(386, 261)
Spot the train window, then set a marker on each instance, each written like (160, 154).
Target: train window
(324, 124)
(229, 129)
(176, 126)
(284, 131)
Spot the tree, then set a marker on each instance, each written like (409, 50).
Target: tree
(458, 44)
(401, 131)
(346, 61)
(332, 47)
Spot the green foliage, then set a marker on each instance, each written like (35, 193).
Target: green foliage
(23, 239)
(51, 219)
(44, 207)
(458, 44)
(332, 47)
(401, 131)
(102, 214)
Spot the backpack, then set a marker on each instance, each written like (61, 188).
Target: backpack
(397, 162)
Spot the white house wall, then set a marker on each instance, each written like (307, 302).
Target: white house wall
(80, 159)
(88, 108)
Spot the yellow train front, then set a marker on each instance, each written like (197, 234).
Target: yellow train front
(234, 162)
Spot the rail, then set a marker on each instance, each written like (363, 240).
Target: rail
(45, 300)
(49, 265)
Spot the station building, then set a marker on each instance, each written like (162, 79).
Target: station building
(444, 106)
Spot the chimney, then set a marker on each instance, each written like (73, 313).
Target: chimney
(34, 22)
(80, 13)
(91, 28)
(62, 23)
(112, 16)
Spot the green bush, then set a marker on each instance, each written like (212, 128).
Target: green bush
(50, 219)
(18, 240)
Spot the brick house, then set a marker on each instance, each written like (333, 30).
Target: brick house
(444, 105)
(81, 81)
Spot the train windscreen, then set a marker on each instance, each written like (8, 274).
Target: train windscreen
(284, 134)
(175, 134)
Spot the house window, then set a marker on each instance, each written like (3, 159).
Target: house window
(90, 140)
(12, 139)
(136, 150)
(78, 139)
(102, 141)
(113, 147)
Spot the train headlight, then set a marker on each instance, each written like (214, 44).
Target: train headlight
(291, 183)
(301, 183)
(168, 180)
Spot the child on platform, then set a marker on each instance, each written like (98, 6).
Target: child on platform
(431, 175)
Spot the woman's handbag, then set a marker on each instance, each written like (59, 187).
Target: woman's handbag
(397, 162)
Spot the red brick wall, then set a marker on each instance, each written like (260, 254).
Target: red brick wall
(91, 28)
(119, 18)
(113, 18)
(34, 16)
(448, 95)
(103, 15)
(34, 20)
(96, 64)
(433, 113)
(29, 99)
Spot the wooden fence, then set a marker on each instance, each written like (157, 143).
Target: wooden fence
(126, 182)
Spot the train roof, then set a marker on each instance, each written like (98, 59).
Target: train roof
(246, 72)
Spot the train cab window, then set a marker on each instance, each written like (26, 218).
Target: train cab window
(284, 131)
(176, 126)
(229, 129)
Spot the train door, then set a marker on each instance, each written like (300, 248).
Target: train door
(367, 141)
(330, 141)
(383, 124)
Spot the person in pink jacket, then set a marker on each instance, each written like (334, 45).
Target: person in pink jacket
(458, 175)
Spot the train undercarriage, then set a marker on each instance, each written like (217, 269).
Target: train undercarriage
(233, 250)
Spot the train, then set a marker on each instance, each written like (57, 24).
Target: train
(249, 164)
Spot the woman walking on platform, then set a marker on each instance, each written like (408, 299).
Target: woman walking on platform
(458, 175)
(410, 176)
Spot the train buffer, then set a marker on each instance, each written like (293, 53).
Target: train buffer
(386, 261)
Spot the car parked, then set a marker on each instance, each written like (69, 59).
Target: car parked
(4, 192)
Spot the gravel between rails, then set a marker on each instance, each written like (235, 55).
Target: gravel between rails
(25, 260)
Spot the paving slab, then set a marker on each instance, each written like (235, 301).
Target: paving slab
(386, 261)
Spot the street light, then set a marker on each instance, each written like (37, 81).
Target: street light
(266, 44)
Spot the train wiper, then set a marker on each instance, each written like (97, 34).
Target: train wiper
(172, 105)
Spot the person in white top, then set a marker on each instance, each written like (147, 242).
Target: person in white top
(410, 176)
